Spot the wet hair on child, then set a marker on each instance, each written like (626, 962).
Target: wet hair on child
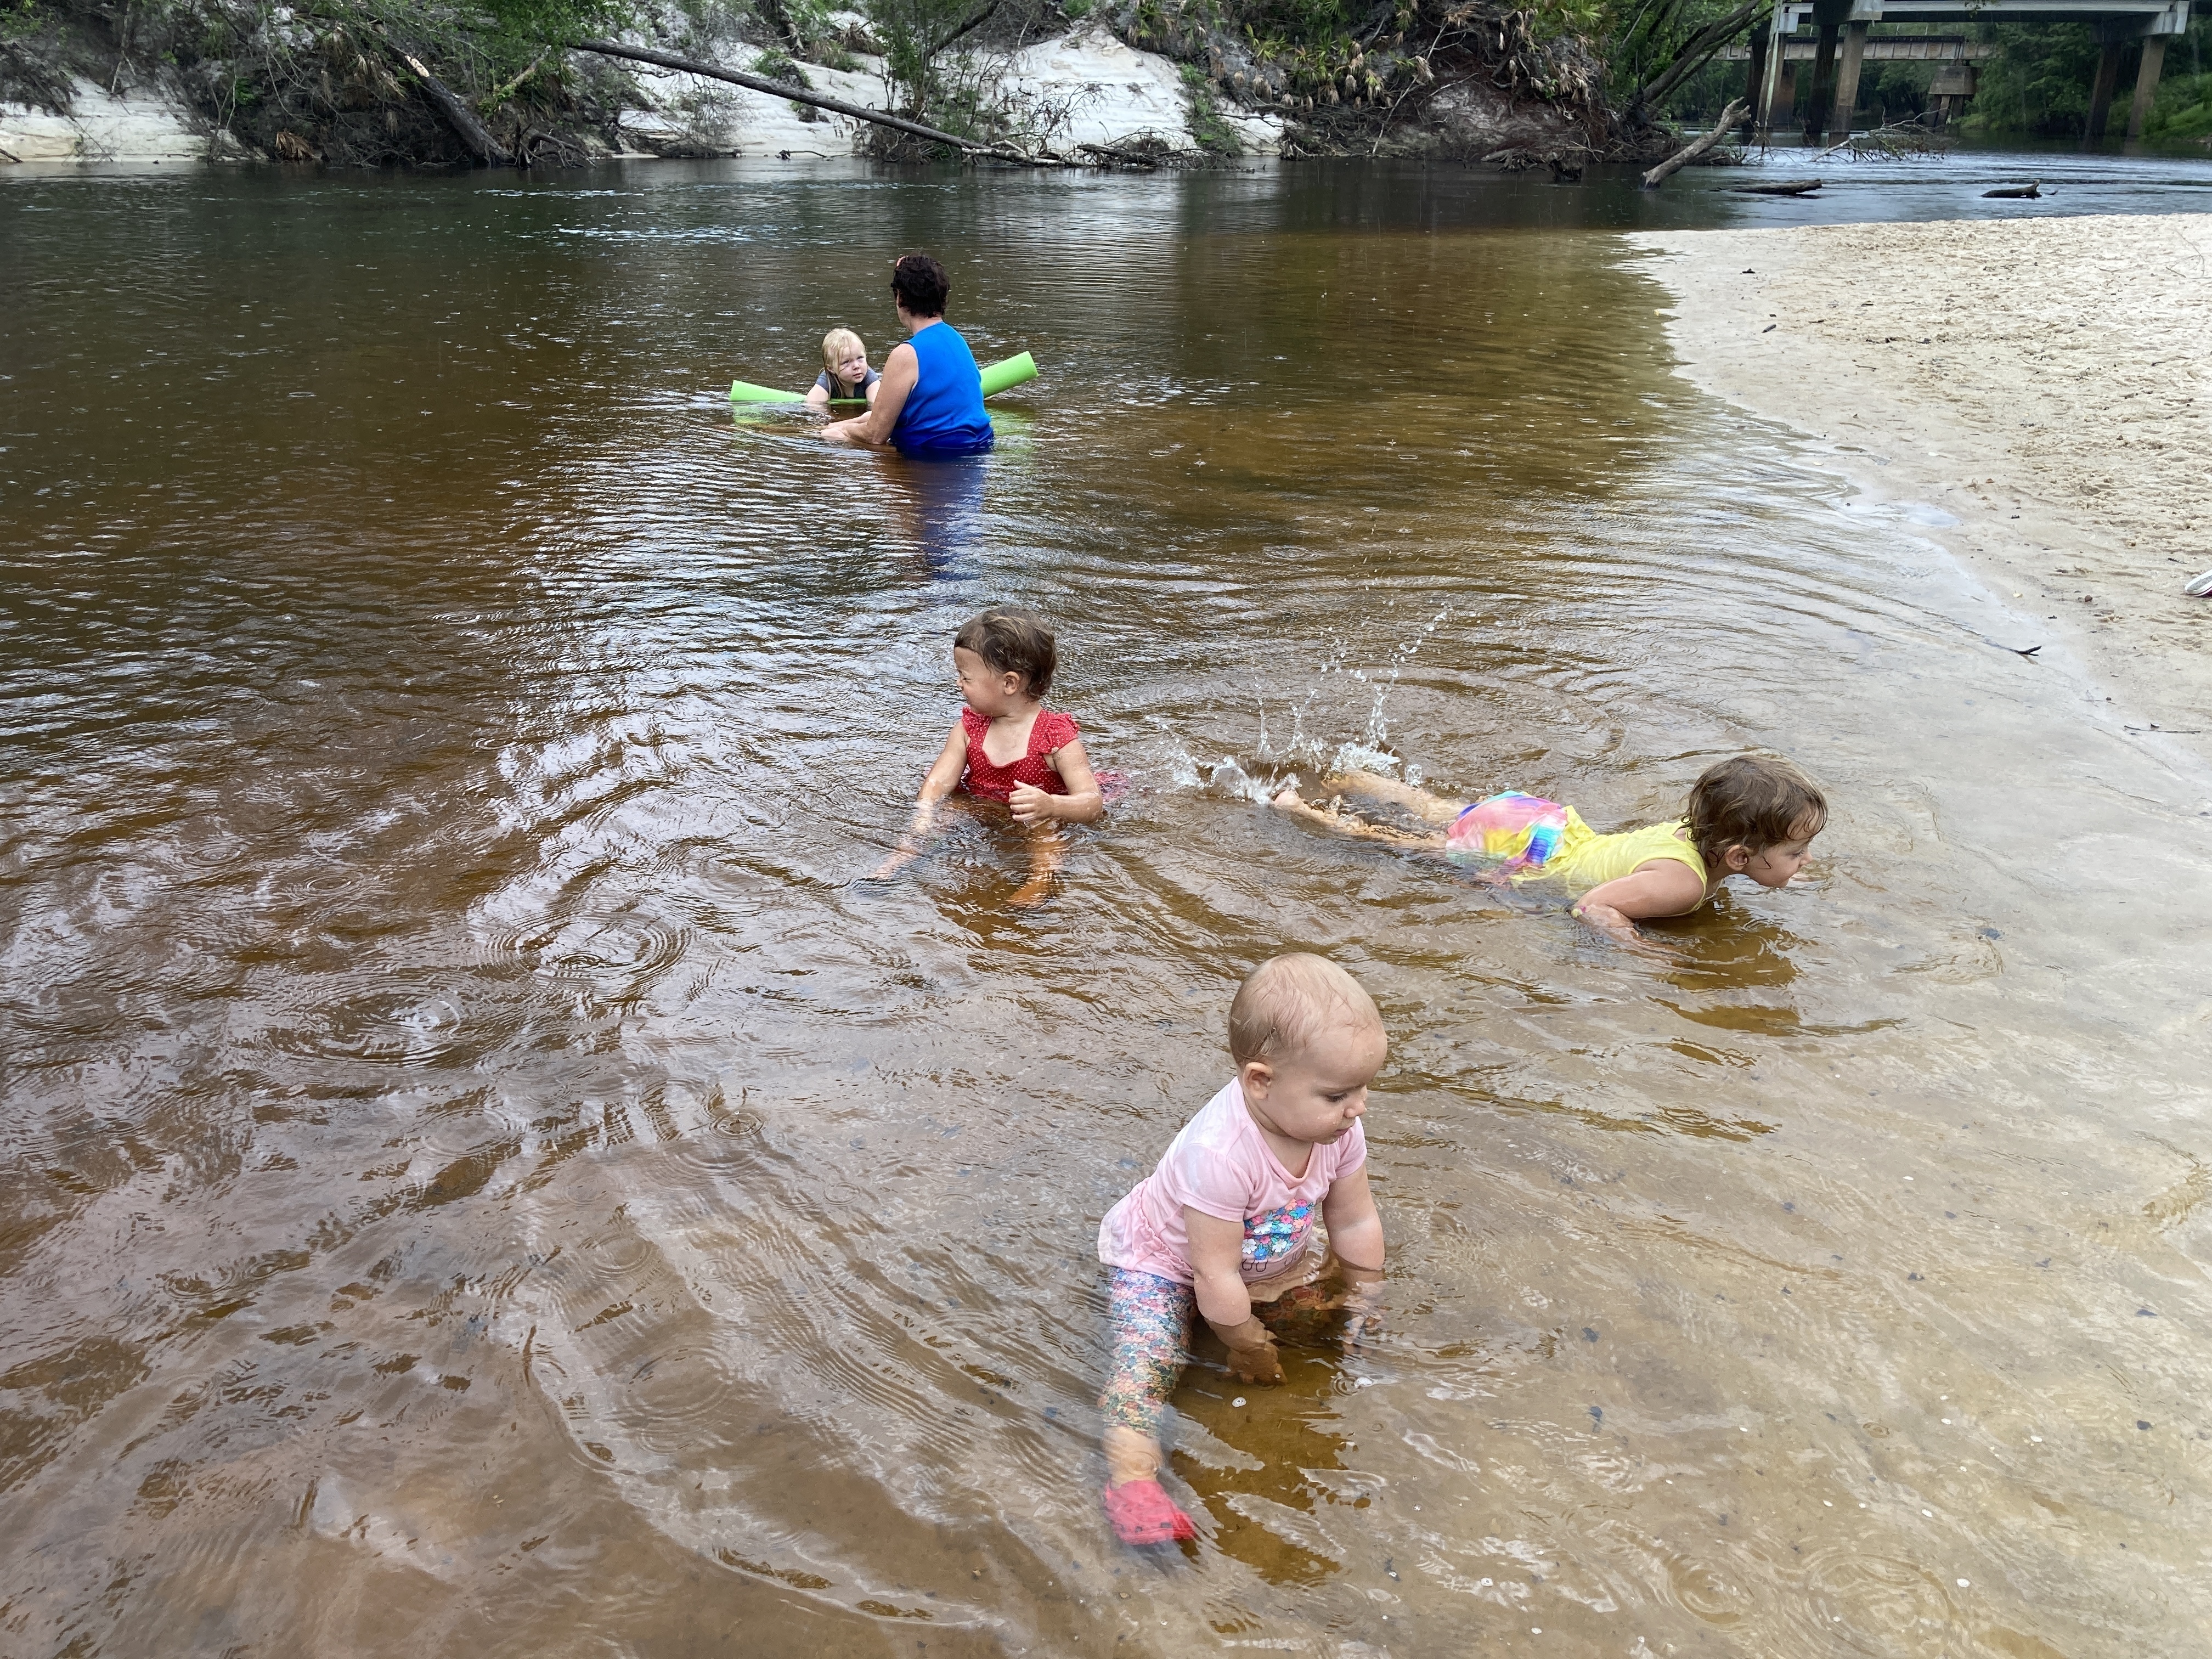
(1288, 1001)
(1753, 802)
(1012, 642)
(838, 344)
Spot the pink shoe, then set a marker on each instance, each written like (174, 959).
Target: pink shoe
(1143, 1514)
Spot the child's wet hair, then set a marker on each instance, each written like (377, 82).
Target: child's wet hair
(1015, 641)
(1288, 1001)
(1755, 802)
(839, 343)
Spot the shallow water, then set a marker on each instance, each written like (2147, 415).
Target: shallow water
(482, 1172)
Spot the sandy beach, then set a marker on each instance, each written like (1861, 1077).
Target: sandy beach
(2047, 383)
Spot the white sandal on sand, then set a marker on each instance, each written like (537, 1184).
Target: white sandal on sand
(2201, 588)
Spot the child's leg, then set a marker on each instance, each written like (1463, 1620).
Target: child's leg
(1151, 1319)
(1430, 808)
(1290, 801)
(1047, 849)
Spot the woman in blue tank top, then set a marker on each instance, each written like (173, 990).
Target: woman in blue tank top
(930, 400)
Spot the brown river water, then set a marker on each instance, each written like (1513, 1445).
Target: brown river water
(480, 1174)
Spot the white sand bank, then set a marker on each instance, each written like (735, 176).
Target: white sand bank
(1085, 86)
(2047, 382)
(127, 124)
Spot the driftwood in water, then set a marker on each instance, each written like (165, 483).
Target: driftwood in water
(1797, 187)
(1690, 152)
(2030, 192)
(459, 116)
(801, 95)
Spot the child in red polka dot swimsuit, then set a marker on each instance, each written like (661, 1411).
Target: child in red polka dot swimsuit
(1006, 745)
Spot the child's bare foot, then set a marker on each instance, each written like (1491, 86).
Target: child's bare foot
(1289, 795)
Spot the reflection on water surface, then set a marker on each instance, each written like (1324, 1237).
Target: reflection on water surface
(480, 1168)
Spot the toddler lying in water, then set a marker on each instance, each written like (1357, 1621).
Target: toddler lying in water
(1751, 817)
(1225, 1226)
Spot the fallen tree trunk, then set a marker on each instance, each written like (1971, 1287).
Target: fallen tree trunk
(2016, 192)
(799, 94)
(459, 116)
(1800, 187)
(1690, 152)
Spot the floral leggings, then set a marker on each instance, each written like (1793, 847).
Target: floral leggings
(1151, 1319)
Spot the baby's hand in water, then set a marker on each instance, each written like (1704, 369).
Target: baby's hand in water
(1031, 804)
(1361, 1300)
(1251, 1353)
(1258, 1366)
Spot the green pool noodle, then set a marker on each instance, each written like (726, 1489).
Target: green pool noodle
(1007, 374)
(997, 377)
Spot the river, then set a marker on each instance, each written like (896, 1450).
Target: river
(481, 1172)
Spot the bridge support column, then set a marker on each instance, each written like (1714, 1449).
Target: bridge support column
(1823, 84)
(1756, 90)
(2100, 90)
(2154, 61)
(1847, 78)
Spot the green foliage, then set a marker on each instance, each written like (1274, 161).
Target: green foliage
(1293, 23)
(1214, 135)
(1555, 19)
(543, 21)
(2038, 84)
(1637, 39)
(910, 31)
(2184, 109)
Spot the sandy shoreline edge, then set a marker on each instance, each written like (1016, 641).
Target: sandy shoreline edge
(2046, 382)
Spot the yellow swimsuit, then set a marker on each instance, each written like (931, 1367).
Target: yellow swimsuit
(1528, 838)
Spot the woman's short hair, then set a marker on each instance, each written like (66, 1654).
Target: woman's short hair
(839, 343)
(920, 284)
(1753, 802)
(1015, 641)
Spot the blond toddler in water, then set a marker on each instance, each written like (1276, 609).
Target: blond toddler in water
(845, 372)
(1752, 815)
(1225, 1226)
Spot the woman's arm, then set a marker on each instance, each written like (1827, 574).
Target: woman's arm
(1355, 1225)
(1656, 887)
(1217, 1256)
(944, 778)
(902, 374)
(1084, 803)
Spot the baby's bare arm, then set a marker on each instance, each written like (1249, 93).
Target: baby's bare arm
(944, 778)
(1355, 1225)
(1217, 1255)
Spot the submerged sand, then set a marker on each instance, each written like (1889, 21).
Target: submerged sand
(2046, 382)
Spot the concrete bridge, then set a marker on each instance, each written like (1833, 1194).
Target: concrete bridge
(1839, 46)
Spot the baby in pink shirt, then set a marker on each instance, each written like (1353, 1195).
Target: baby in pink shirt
(1225, 1226)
